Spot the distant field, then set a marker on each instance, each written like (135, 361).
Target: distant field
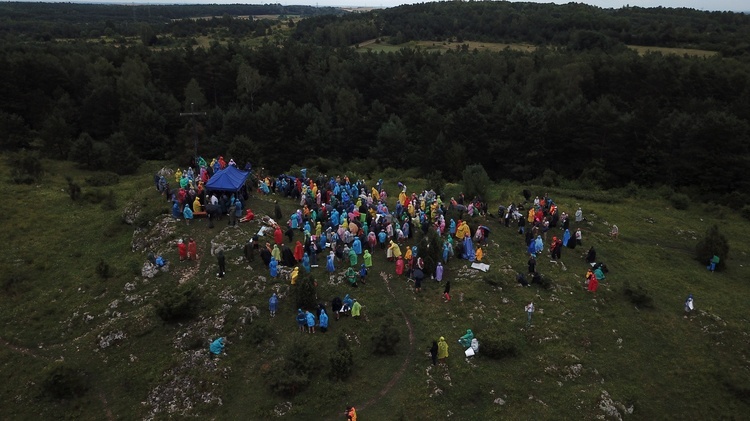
(445, 45)
(679, 51)
(371, 45)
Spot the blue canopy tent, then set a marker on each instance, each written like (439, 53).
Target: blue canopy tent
(228, 179)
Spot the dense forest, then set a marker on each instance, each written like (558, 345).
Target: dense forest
(582, 106)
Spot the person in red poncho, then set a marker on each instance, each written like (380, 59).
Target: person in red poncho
(593, 283)
(299, 252)
(182, 249)
(278, 236)
(249, 216)
(400, 266)
(192, 250)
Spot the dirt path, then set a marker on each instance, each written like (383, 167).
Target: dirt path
(397, 375)
(24, 351)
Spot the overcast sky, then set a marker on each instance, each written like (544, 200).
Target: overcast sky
(734, 5)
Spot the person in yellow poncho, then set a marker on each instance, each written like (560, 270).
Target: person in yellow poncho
(295, 275)
(442, 350)
(375, 194)
(395, 250)
(479, 254)
(531, 215)
(197, 204)
(463, 230)
(178, 175)
(356, 309)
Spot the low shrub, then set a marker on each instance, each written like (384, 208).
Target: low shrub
(745, 212)
(342, 361)
(304, 293)
(181, 304)
(94, 196)
(74, 190)
(61, 381)
(680, 201)
(714, 243)
(102, 179)
(498, 349)
(110, 201)
(103, 270)
(258, 332)
(293, 373)
(385, 340)
(12, 284)
(25, 167)
(638, 296)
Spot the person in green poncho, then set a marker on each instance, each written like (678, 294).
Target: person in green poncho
(442, 350)
(356, 309)
(465, 340)
(352, 258)
(368, 259)
(351, 276)
(713, 263)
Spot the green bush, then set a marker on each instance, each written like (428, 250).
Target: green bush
(476, 182)
(745, 212)
(258, 332)
(638, 296)
(342, 362)
(94, 196)
(110, 201)
(430, 249)
(304, 293)
(384, 341)
(182, 304)
(714, 243)
(12, 284)
(25, 167)
(103, 179)
(74, 190)
(680, 201)
(60, 381)
(103, 270)
(293, 373)
(498, 349)
(549, 178)
(436, 182)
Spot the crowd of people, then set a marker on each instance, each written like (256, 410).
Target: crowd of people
(342, 223)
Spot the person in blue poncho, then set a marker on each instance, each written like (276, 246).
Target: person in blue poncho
(176, 210)
(273, 304)
(357, 246)
(306, 263)
(301, 319)
(323, 321)
(452, 227)
(274, 267)
(566, 238)
(294, 220)
(329, 262)
(310, 322)
(469, 253)
(217, 346)
(187, 213)
(322, 242)
(538, 244)
(346, 304)
(382, 236)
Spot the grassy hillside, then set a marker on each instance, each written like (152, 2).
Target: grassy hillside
(68, 326)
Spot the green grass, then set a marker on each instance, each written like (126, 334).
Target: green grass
(657, 361)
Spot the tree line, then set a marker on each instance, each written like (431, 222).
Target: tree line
(608, 118)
